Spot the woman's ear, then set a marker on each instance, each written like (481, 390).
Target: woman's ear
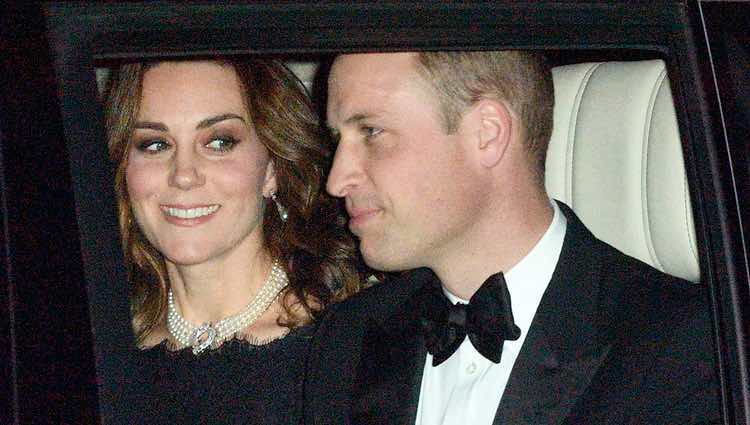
(269, 181)
(495, 129)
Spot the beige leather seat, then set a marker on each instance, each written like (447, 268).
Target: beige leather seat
(616, 158)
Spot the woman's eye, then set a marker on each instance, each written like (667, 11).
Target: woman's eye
(153, 146)
(221, 144)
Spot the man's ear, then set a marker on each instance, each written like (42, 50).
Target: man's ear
(269, 181)
(495, 128)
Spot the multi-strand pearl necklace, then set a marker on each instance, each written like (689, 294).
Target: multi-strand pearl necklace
(213, 334)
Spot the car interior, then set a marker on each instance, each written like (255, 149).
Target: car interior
(634, 152)
(616, 158)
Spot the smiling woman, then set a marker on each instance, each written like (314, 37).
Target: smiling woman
(232, 247)
(197, 173)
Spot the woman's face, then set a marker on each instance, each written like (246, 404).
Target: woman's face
(197, 173)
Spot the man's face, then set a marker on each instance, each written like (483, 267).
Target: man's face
(409, 190)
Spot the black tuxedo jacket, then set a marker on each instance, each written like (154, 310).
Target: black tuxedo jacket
(613, 341)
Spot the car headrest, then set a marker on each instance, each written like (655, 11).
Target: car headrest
(615, 157)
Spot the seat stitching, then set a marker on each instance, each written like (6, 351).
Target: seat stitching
(645, 170)
(572, 132)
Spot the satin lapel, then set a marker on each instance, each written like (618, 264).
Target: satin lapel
(565, 344)
(386, 390)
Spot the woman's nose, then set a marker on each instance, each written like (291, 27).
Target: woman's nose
(186, 171)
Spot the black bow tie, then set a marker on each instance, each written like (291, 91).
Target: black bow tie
(487, 320)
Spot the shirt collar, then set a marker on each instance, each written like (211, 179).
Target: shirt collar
(528, 279)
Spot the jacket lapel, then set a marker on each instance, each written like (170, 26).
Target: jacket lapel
(566, 342)
(386, 389)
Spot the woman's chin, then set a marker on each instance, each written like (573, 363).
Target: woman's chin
(190, 258)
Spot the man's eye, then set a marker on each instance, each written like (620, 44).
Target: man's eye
(371, 132)
(153, 146)
(221, 144)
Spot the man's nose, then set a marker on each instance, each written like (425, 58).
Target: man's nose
(346, 172)
(186, 172)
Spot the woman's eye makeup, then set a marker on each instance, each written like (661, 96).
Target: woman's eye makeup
(221, 143)
(216, 143)
(152, 145)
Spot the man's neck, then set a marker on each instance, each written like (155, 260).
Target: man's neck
(494, 245)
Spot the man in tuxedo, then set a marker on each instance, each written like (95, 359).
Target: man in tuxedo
(510, 311)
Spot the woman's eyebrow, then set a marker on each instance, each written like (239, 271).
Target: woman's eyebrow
(208, 122)
(150, 125)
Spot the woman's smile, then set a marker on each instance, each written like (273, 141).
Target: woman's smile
(189, 216)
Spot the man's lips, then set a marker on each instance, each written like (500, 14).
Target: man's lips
(360, 217)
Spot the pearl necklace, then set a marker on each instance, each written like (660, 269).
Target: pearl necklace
(213, 334)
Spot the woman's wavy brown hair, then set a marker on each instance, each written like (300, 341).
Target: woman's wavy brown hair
(318, 253)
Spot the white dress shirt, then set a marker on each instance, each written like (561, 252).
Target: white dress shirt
(466, 388)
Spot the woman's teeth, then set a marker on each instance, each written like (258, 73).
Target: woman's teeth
(191, 212)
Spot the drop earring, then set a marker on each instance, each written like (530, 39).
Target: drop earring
(283, 213)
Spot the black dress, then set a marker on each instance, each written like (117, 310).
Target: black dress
(238, 383)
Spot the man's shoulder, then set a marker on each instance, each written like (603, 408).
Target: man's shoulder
(636, 301)
(336, 350)
(342, 328)
(659, 331)
(379, 301)
(619, 271)
(653, 286)
(658, 317)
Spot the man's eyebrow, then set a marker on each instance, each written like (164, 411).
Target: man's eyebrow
(356, 118)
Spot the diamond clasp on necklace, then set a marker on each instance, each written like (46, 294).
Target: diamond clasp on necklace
(202, 338)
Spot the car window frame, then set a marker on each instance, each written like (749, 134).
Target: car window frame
(80, 34)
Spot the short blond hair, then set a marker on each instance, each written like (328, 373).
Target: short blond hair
(521, 79)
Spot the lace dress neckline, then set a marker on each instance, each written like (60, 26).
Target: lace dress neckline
(241, 341)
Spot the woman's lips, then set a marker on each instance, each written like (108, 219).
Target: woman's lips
(182, 215)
